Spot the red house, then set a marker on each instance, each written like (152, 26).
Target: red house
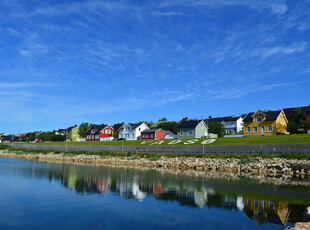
(99, 133)
(153, 134)
(308, 118)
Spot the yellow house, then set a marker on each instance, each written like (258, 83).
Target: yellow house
(265, 211)
(265, 123)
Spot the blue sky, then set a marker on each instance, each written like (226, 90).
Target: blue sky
(67, 62)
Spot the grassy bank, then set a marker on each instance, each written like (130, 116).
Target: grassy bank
(278, 139)
(244, 158)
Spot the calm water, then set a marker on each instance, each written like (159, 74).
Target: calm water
(36, 195)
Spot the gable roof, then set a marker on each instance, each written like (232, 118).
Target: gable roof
(98, 128)
(222, 119)
(153, 130)
(168, 132)
(289, 112)
(117, 126)
(270, 115)
(189, 124)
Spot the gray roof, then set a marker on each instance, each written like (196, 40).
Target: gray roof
(168, 132)
(289, 112)
(189, 124)
(270, 115)
(98, 128)
(153, 130)
(222, 119)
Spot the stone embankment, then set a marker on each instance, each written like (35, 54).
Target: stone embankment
(273, 167)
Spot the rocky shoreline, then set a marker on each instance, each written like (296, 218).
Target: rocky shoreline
(274, 167)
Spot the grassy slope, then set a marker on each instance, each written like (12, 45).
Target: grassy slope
(280, 139)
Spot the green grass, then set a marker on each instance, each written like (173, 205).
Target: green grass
(277, 139)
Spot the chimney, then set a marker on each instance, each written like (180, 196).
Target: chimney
(210, 117)
(233, 116)
(265, 110)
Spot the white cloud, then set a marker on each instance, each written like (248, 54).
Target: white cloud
(281, 50)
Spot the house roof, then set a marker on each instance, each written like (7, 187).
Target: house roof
(168, 132)
(98, 128)
(189, 124)
(222, 119)
(270, 116)
(153, 130)
(289, 112)
(117, 126)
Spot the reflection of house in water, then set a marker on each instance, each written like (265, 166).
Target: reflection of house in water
(104, 185)
(201, 197)
(264, 211)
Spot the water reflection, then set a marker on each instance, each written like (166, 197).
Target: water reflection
(278, 205)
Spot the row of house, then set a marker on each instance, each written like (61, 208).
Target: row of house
(254, 123)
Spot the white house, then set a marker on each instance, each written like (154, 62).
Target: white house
(232, 125)
(132, 131)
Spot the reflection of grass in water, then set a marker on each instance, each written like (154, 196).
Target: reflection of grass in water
(246, 179)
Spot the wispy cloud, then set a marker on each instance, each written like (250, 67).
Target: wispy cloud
(275, 8)
(281, 50)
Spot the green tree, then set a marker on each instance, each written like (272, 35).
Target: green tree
(292, 127)
(115, 134)
(295, 122)
(83, 128)
(170, 125)
(57, 138)
(217, 127)
(44, 136)
(162, 119)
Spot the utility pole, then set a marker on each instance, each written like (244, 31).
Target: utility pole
(66, 140)
(203, 146)
(198, 119)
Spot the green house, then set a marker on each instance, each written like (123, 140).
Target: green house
(74, 134)
(192, 129)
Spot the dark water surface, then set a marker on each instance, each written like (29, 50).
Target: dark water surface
(36, 195)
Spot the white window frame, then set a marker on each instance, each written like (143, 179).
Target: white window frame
(260, 118)
(270, 128)
(93, 131)
(190, 133)
(181, 133)
(263, 128)
(147, 135)
(143, 135)
(281, 120)
(248, 129)
(152, 135)
(254, 129)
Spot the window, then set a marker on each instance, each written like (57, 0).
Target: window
(259, 119)
(152, 135)
(256, 203)
(143, 135)
(255, 129)
(97, 136)
(181, 133)
(262, 128)
(93, 131)
(269, 128)
(106, 131)
(281, 120)
(271, 204)
(133, 135)
(248, 129)
(190, 133)
(147, 136)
